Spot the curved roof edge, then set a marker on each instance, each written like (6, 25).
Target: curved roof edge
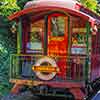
(46, 8)
(69, 6)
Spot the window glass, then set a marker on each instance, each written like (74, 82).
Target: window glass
(35, 36)
(57, 26)
(78, 36)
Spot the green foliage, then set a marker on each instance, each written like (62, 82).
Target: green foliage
(7, 47)
(7, 43)
(8, 7)
(91, 4)
(98, 9)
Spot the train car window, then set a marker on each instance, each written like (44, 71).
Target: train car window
(35, 39)
(57, 26)
(78, 38)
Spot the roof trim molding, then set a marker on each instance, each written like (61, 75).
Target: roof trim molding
(46, 8)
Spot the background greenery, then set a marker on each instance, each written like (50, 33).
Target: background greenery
(8, 38)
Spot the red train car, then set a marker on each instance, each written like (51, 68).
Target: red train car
(58, 48)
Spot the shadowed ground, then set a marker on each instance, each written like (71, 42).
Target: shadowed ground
(29, 96)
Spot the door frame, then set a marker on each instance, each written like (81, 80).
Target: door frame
(46, 30)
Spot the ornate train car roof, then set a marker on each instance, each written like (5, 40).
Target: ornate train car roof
(53, 3)
(69, 6)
